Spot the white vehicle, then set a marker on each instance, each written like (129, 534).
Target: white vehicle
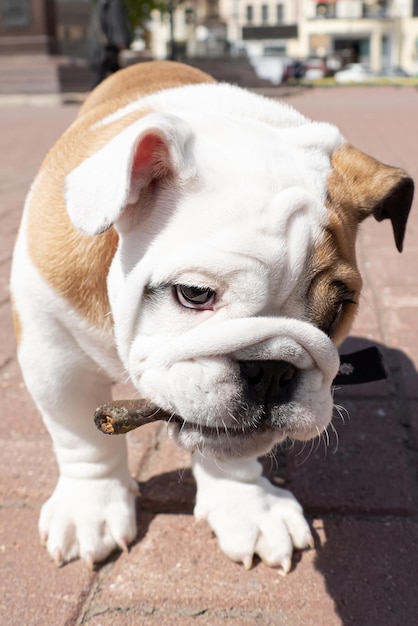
(353, 73)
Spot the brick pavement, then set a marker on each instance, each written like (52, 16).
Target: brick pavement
(360, 495)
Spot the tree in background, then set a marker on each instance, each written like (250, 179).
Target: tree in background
(139, 14)
(139, 11)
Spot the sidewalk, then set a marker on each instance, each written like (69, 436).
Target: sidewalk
(360, 495)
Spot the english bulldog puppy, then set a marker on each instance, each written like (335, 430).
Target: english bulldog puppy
(198, 240)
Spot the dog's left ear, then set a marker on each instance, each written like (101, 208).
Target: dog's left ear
(360, 186)
(146, 153)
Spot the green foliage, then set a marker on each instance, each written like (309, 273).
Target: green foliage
(139, 11)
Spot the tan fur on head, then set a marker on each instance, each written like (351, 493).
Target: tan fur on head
(358, 186)
(335, 288)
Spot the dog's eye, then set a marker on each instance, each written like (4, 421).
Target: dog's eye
(191, 297)
(345, 298)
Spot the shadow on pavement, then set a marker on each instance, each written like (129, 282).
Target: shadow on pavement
(365, 493)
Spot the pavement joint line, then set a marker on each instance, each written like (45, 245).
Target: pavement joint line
(84, 607)
(176, 611)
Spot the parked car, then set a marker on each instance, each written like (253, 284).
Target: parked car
(353, 73)
(315, 68)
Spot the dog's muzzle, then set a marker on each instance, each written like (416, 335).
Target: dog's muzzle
(241, 386)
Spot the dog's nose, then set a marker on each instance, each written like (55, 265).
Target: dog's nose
(268, 381)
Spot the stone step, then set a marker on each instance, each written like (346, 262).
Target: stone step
(41, 74)
(36, 73)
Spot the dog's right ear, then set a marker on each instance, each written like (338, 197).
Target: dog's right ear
(359, 186)
(146, 152)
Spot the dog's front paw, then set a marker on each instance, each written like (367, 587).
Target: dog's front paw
(254, 518)
(88, 519)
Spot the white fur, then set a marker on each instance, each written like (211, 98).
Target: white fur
(248, 514)
(241, 214)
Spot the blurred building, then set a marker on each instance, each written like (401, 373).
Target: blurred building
(27, 27)
(270, 33)
(379, 33)
(72, 19)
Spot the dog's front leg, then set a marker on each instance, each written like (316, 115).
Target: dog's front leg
(92, 509)
(247, 513)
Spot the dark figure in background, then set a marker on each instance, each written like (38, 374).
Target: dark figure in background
(109, 33)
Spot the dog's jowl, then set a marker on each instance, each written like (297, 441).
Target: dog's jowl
(199, 240)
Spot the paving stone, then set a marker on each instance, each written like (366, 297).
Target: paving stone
(177, 570)
(7, 341)
(366, 565)
(4, 281)
(166, 482)
(412, 420)
(33, 592)
(24, 420)
(31, 472)
(358, 574)
(367, 472)
(385, 266)
(8, 232)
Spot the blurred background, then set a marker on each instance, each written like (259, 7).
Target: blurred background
(43, 43)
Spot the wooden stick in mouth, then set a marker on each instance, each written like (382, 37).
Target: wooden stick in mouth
(121, 416)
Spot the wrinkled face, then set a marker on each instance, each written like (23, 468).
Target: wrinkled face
(243, 292)
(235, 276)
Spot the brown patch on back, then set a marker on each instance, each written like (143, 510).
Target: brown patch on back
(74, 264)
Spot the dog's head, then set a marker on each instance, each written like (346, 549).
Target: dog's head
(235, 278)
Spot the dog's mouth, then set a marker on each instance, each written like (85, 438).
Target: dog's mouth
(264, 414)
(181, 426)
(223, 442)
(254, 433)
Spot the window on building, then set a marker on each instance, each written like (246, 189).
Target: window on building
(212, 8)
(415, 9)
(280, 13)
(250, 12)
(326, 9)
(264, 13)
(377, 9)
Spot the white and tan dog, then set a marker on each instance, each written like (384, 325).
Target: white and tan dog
(199, 240)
